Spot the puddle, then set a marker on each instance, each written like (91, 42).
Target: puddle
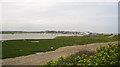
(39, 52)
(35, 41)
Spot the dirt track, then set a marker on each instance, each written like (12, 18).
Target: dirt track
(40, 59)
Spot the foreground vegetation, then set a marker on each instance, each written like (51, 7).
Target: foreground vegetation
(15, 48)
(105, 57)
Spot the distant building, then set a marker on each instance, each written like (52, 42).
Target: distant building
(85, 33)
(92, 34)
(89, 34)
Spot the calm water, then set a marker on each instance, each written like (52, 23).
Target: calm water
(32, 36)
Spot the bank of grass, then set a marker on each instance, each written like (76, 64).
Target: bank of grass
(15, 48)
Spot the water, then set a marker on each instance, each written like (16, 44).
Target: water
(32, 36)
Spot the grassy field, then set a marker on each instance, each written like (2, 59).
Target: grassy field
(15, 48)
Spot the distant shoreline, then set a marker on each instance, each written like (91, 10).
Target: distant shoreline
(18, 36)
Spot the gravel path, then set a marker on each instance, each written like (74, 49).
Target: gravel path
(40, 59)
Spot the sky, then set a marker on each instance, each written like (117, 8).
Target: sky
(70, 15)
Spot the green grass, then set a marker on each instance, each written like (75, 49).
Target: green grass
(15, 48)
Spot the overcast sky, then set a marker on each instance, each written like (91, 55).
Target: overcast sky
(68, 16)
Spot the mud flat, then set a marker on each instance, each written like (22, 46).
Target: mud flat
(31, 36)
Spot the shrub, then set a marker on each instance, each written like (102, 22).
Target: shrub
(105, 56)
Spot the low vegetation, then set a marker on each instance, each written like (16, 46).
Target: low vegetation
(15, 48)
(105, 57)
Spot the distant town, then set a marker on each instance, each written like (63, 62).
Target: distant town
(52, 32)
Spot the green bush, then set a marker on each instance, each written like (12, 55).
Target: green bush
(105, 56)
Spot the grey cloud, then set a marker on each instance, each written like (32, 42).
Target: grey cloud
(60, 16)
